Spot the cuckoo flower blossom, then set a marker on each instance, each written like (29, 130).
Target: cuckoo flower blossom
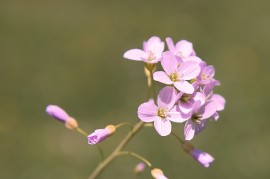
(182, 49)
(186, 101)
(162, 113)
(197, 121)
(177, 75)
(100, 134)
(207, 90)
(151, 53)
(207, 74)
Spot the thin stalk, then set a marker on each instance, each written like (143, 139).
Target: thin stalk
(136, 156)
(99, 169)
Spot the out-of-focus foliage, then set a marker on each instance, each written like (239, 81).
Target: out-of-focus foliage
(69, 53)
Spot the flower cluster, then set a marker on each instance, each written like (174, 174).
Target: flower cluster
(188, 96)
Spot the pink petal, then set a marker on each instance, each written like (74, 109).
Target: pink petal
(215, 116)
(186, 107)
(209, 70)
(185, 47)
(189, 130)
(147, 112)
(135, 54)
(163, 127)
(219, 100)
(193, 58)
(170, 44)
(189, 69)
(200, 97)
(166, 97)
(162, 77)
(184, 86)
(175, 115)
(169, 63)
(155, 45)
(207, 110)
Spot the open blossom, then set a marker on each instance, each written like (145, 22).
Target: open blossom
(182, 49)
(177, 75)
(100, 134)
(151, 53)
(186, 101)
(162, 113)
(207, 75)
(219, 100)
(158, 174)
(198, 117)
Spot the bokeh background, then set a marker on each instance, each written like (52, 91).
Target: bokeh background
(69, 53)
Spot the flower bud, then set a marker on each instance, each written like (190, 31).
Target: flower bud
(203, 158)
(139, 168)
(61, 115)
(158, 174)
(57, 113)
(101, 134)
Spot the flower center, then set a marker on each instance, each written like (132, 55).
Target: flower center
(162, 112)
(151, 56)
(196, 118)
(174, 77)
(185, 98)
(180, 54)
(205, 76)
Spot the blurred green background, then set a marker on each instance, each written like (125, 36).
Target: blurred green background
(69, 53)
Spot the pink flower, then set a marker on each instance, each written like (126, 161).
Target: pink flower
(197, 121)
(151, 53)
(219, 100)
(186, 101)
(100, 134)
(203, 158)
(57, 113)
(207, 74)
(162, 113)
(182, 49)
(177, 75)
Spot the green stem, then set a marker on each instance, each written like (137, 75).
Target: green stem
(136, 156)
(112, 156)
(125, 124)
(79, 130)
(178, 138)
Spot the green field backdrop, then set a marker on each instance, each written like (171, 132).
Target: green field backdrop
(70, 53)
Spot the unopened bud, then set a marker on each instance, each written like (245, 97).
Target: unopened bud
(139, 168)
(158, 174)
(111, 129)
(71, 123)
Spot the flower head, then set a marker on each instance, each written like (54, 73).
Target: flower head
(100, 134)
(162, 113)
(177, 75)
(198, 116)
(151, 53)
